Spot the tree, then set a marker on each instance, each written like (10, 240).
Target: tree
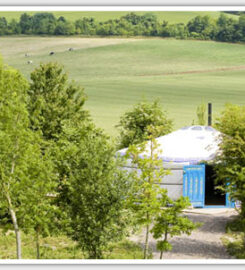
(3, 26)
(203, 26)
(43, 23)
(14, 27)
(24, 170)
(226, 28)
(231, 160)
(64, 28)
(86, 26)
(134, 124)
(13, 141)
(61, 19)
(53, 104)
(144, 198)
(97, 189)
(171, 222)
(230, 165)
(178, 30)
(25, 23)
(54, 101)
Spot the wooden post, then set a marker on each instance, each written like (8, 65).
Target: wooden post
(209, 114)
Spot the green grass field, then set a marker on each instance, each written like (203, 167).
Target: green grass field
(116, 73)
(170, 16)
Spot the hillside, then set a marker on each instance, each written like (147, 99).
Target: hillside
(117, 73)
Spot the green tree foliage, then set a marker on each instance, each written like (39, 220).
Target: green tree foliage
(24, 170)
(26, 23)
(226, 29)
(134, 124)
(43, 23)
(144, 200)
(96, 189)
(54, 100)
(171, 222)
(179, 31)
(55, 103)
(231, 161)
(3, 26)
(64, 28)
(201, 27)
(85, 26)
(36, 212)
(14, 27)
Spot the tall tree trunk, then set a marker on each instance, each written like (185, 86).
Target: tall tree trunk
(146, 242)
(147, 215)
(161, 254)
(165, 239)
(16, 227)
(37, 242)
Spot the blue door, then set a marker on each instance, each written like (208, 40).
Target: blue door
(194, 184)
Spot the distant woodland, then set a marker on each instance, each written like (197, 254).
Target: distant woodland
(224, 28)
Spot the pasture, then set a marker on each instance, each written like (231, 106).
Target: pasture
(116, 73)
(170, 16)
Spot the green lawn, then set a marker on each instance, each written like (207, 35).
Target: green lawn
(170, 16)
(61, 247)
(116, 73)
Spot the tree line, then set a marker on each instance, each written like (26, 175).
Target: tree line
(224, 28)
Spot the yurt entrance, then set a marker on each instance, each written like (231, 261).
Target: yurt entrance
(213, 196)
(199, 186)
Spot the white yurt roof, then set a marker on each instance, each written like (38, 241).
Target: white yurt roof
(188, 145)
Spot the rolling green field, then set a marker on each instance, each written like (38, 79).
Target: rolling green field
(170, 16)
(116, 73)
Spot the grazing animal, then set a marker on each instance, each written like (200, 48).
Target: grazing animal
(51, 53)
(29, 62)
(71, 49)
(27, 55)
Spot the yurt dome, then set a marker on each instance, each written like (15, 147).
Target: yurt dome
(188, 145)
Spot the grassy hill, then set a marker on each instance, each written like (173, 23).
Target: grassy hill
(170, 16)
(117, 73)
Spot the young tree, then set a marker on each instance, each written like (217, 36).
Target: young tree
(13, 141)
(134, 124)
(96, 189)
(171, 222)
(24, 171)
(144, 199)
(37, 212)
(54, 101)
(231, 160)
(53, 104)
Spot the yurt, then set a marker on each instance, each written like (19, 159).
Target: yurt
(189, 154)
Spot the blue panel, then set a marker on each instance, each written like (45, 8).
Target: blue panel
(229, 203)
(194, 184)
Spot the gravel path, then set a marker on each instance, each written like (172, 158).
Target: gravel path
(203, 243)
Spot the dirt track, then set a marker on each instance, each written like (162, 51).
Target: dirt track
(195, 71)
(204, 243)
